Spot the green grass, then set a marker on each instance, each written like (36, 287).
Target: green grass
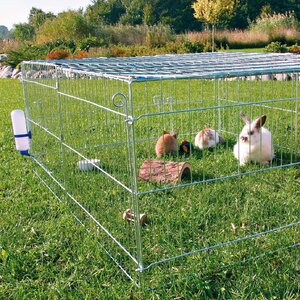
(46, 254)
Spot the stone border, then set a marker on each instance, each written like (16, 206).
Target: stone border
(8, 71)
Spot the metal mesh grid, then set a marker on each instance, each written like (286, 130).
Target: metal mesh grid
(202, 65)
(101, 108)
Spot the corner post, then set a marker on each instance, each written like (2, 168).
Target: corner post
(130, 126)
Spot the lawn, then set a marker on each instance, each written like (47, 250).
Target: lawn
(46, 254)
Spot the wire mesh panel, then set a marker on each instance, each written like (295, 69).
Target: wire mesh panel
(117, 138)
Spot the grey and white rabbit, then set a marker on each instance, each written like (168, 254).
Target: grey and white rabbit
(254, 143)
(207, 138)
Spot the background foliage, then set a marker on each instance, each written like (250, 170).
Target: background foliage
(176, 14)
(147, 27)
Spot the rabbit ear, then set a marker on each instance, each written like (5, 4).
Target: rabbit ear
(166, 132)
(174, 134)
(245, 119)
(259, 122)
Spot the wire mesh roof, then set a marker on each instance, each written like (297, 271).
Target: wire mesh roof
(199, 65)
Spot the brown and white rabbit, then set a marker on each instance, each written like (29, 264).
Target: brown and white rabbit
(254, 143)
(207, 138)
(167, 144)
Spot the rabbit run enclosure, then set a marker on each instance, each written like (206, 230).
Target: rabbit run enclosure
(140, 148)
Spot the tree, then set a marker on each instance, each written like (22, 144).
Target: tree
(4, 32)
(23, 32)
(177, 14)
(148, 14)
(241, 17)
(26, 32)
(213, 12)
(134, 12)
(68, 25)
(104, 12)
(247, 11)
(37, 17)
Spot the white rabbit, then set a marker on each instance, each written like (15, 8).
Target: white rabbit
(207, 138)
(254, 143)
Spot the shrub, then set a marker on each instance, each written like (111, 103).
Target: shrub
(236, 39)
(58, 54)
(270, 22)
(279, 27)
(239, 39)
(285, 36)
(276, 47)
(295, 49)
(122, 34)
(157, 36)
(60, 44)
(8, 45)
(194, 47)
(153, 36)
(138, 50)
(174, 48)
(80, 54)
(28, 52)
(89, 42)
(202, 36)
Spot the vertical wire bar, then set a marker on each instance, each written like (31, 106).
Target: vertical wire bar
(193, 131)
(297, 113)
(230, 98)
(61, 128)
(238, 118)
(219, 104)
(273, 116)
(292, 91)
(202, 103)
(148, 134)
(268, 113)
(172, 99)
(283, 95)
(295, 84)
(215, 116)
(133, 176)
(26, 103)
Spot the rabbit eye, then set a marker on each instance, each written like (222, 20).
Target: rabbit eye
(251, 132)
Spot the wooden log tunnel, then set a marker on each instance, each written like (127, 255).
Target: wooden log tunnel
(164, 171)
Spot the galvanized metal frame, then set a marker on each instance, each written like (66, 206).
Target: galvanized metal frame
(162, 67)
